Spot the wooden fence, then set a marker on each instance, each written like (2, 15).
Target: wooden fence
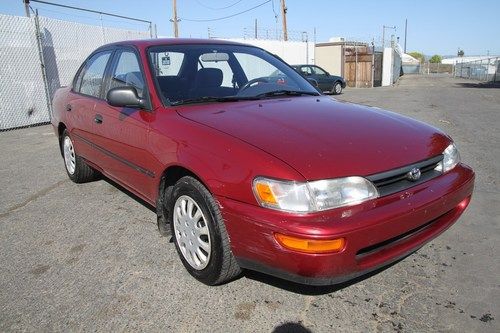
(358, 63)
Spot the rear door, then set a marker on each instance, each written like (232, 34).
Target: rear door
(81, 102)
(122, 132)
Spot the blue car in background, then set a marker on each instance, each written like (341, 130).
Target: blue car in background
(326, 83)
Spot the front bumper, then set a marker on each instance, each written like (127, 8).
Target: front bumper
(377, 232)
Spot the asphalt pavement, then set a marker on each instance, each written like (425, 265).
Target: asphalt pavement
(89, 257)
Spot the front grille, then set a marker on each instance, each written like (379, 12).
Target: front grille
(397, 180)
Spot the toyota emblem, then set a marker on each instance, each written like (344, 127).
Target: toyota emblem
(414, 174)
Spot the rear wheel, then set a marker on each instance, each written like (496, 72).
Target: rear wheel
(337, 88)
(199, 233)
(76, 168)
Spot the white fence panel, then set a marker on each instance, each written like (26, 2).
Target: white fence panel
(294, 53)
(22, 92)
(65, 45)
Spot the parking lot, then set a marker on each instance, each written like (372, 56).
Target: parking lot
(89, 257)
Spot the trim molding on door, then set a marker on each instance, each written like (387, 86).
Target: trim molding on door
(116, 157)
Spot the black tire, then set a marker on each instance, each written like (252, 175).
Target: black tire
(82, 173)
(222, 266)
(337, 88)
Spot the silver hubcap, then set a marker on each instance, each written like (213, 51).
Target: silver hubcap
(338, 88)
(191, 232)
(69, 155)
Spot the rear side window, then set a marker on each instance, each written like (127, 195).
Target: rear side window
(306, 70)
(127, 72)
(92, 75)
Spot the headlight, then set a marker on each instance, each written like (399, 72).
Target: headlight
(451, 157)
(306, 197)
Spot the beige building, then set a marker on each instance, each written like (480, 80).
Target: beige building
(330, 56)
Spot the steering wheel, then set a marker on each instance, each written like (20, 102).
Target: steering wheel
(256, 80)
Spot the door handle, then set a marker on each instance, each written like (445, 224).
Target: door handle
(98, 119)
(68, 107)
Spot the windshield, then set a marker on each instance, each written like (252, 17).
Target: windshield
(204, 73)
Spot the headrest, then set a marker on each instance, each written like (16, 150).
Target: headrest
(209, 77)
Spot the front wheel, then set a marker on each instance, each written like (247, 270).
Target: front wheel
(199, 233)
(337, 88)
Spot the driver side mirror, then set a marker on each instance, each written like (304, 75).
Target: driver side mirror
(125, 97)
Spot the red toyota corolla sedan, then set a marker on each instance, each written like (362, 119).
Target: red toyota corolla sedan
(249, 166)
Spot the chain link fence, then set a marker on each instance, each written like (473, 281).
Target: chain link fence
(487, 70)
(40, 54)
(274, 34)
(23, 100)
(427, 68)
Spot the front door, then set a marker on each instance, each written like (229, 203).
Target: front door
(123, 132)
(322, 77)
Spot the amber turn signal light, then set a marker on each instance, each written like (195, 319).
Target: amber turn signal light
(265, 193)
(310, 245)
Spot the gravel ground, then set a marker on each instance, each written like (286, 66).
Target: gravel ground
(89, 258)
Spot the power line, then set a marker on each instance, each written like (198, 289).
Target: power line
(226, 17)
(274, 11)
(218, 8)
(90, 11)
(87, 17)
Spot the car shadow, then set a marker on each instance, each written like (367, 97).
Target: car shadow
(291, 327)
(310, 290)
(478, 84)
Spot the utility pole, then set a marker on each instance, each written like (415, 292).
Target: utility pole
(406, 31)
(283, 15)
(27, 7)
(255, 28)
(175, 20)
(373, 62)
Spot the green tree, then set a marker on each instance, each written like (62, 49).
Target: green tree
(417, 55)
(436, 59)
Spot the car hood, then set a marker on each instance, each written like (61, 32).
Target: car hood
(321, 137)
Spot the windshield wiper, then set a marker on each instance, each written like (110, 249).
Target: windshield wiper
(208, 99)
(287, 93)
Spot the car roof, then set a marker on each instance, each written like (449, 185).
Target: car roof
(144, 43)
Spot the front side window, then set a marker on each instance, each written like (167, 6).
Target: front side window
(213, 72)
(92, 75)
(318, 71)
(127, 72)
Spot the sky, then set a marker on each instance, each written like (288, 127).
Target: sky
(434, 27)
